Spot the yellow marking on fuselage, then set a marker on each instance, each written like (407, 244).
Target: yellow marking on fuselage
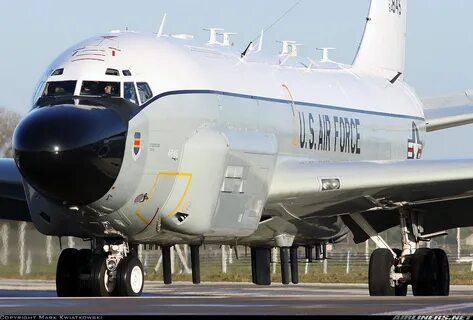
(141, 217)
(295, 138)
(292, 99)
(153, 190)
(183, 196)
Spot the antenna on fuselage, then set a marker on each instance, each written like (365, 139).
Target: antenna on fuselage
(250, 47)
(260, 42)
(213, 35)
(285, 13)
(289, 50)
(325, 52)
(161, 27)
(226, 38)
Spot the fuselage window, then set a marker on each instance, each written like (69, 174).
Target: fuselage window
(59, 88)
(58, 72)
(100, 88)
(145, 91)
(112, 72)
(130, 92)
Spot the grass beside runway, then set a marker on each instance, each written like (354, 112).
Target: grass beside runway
(240, 271)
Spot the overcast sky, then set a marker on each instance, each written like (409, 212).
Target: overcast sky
(439, 40)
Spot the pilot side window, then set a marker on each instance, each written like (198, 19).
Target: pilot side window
(59, 89)
(144, 91)
(100, 88)
(130, 92)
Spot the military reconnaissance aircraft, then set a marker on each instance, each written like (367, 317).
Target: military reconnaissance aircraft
(157, 139)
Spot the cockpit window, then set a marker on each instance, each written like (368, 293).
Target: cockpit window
(100, 88)
(130, 92)
(59, 88)
(145, 91)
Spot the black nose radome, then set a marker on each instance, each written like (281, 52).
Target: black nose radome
(71, 154)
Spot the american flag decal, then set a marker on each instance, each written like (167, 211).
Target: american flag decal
(414, 145)
(136, 145)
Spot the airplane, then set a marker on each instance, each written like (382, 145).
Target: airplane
(162, 140)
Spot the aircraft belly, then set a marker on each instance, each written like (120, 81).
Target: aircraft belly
(331, 230)
(306, 231)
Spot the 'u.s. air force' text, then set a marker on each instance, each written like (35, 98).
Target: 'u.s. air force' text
(326, 133)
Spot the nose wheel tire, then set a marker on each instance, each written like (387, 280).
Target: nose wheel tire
(81, 273)
(85, 259)
(100, 284)
(84, 273)
(67, 273)
(380, 267)
(130, 277)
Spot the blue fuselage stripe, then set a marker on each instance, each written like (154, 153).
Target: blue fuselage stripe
(298, 103)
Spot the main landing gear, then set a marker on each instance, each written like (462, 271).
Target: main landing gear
(392, 270)
(109, 269)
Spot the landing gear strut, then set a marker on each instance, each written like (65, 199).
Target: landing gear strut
(392, 270)
(107, 269)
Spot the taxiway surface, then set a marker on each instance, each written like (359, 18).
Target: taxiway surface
(39, 297)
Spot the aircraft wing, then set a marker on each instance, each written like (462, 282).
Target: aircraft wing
(448, 111)
(441, 191)
(13, 204)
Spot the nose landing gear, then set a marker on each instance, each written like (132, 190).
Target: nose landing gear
(106, 270)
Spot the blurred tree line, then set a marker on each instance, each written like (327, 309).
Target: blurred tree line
(8, 121)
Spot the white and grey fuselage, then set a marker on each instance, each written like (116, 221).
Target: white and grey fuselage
(201, 155)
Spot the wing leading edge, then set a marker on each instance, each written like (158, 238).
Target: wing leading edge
(440, 190)
(13, 204)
